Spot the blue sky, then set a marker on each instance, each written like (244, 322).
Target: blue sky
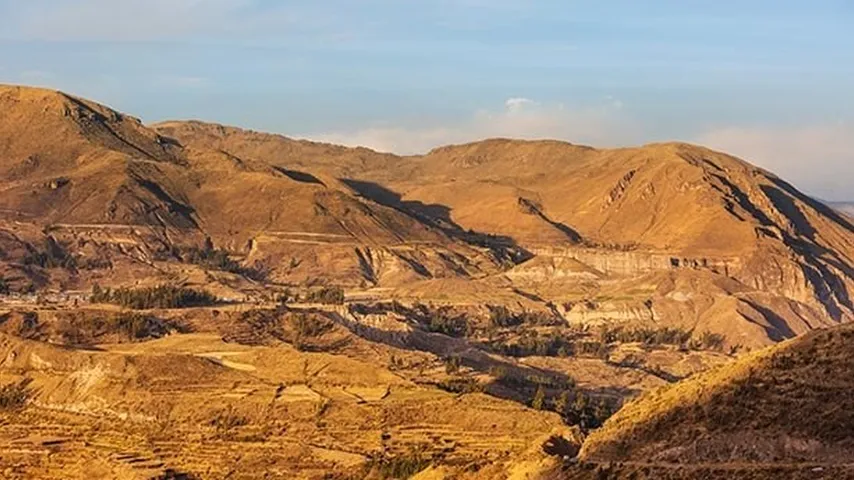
(771, 81)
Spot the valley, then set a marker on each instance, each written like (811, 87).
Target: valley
(190, 300)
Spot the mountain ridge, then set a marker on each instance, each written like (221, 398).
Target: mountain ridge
(662, 213)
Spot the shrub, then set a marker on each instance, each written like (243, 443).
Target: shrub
(213, 258)
(501, 317)
(531, 343)
(14, 396)
(163, 296)
(82, 328)
(710, 341)
(445, 321)
(587, 412)
(647, 336)
(50, 255)
(461, 385)
(326, 296)
(306, 327)
(452, 365)
(136, 326)
(539, 400)
(226, 421)
(399, 467)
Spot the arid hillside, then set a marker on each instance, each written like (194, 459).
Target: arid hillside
(785, 406)
(663, 233)
(86, 171)
(189, 300)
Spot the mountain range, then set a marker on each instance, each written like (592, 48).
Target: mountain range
(341, 301)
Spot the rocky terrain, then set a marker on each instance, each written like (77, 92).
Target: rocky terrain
(783, 411)
(190, 300)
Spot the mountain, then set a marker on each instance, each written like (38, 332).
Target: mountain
(79, 167)
(663, 233)
(784, 406)
(190, 300)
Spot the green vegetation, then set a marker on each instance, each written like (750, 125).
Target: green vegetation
(14, 396)
(212, 258)
(539, 400)
(452, 365)
(304, 328)
(326, 296)
(647, 336)
(587, 412)
(399, 467)
(709, 341)
(162, 296)
(663, 336)
(532, 343)
(84, 328)
(502, 317)
(461, 385)
(442, 320)
(50, 255)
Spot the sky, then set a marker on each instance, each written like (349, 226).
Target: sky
(771, 81)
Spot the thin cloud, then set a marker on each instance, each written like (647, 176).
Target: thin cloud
(521, 117)
(818, 158)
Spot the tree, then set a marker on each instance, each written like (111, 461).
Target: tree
(562, 403)
(538, 403)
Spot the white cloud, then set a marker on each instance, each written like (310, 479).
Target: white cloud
(520, 118)
(818, 158)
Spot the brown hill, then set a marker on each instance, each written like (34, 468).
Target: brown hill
(789, 404)
(662, 222)
(79, 167)
(667, 234)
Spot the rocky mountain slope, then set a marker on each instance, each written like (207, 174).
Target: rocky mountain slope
(663, 233)
(83, 170)
(173, 294)
(785, 405)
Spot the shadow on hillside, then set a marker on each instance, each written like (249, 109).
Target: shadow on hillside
(512, 381)
(815, 204)
(298, 176)
(439, 217)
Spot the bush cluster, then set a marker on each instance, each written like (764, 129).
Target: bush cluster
(502, 317)
(647, 336)
(162, 296)
(14, 396)
(399, 467)
(461, 385)
(86, 328)
(50, 255)
(213, 258)
(326, 296)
